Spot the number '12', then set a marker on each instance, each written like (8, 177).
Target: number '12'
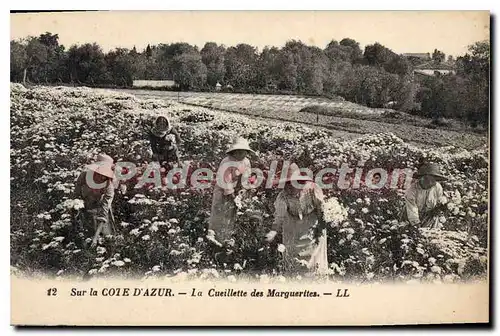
(52, 292)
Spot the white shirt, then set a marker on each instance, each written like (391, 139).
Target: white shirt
(419, 200)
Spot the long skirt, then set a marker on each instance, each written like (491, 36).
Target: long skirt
(89, 223)
(222, 216)
(304, 252)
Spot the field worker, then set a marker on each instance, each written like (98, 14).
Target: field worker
(298, 210)
(96, 188)
(164, 140)
(424, 196)
(226, 190)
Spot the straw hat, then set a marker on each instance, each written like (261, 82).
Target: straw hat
(294, 174)
(240, 143)
(103, 166)
(431, 169)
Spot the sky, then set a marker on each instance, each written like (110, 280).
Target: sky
(401, 31)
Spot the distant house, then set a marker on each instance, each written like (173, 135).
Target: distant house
(422, 56)
(218, 86)
(433, 69)
(154, 83)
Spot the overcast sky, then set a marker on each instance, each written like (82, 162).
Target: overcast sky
(450, 32)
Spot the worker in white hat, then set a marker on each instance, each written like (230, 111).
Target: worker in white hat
(223, 213)
(96, 188)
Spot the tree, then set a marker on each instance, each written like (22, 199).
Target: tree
(438, 56)
(212, 56)
(378, 55)
(355, 50)
(149, 66)
(18, 60)
(36, 56)
(52, 69)
(188, 70)
(268, 65)
(50, 40)
(149, 53)
(432, 97)
(405, 92)
(288, 72)
(370, 86)
(241, 64)
(333, 78)
(464, 95)
(338, 53)
(120, 66)
(477, 61)
(166, 55)
(305, 66)
(475, 68)
(398, 65)
(86, 64)
(315, 71)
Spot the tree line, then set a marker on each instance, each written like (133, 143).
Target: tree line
(372, 77)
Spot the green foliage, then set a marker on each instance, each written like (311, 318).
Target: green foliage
(86, 64)
(378, 55)
(438, 56)
(212, 56)
(373, 77)
(188, 70)
(464, 95)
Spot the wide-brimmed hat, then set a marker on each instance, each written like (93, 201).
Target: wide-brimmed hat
(294, 174)
(103, 166)
(239, 143)
(431, 169)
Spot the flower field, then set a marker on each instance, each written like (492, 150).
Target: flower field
(341, 116)
(56, 131)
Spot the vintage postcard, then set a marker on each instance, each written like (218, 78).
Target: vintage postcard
(249, 168)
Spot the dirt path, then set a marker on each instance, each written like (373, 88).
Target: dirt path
(421, 136)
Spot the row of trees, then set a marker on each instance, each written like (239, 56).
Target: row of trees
(296, 67)
(371, 77)
(464, 95)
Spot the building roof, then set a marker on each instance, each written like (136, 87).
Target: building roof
(147, 82)
(434, 66)
(431, 72)
(418, 55)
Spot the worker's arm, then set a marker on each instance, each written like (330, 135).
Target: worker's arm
(318, 200)
(154, 143)
(105, 203)
(411, 207)
(177, 135)
(280, 215)
(77, 193)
